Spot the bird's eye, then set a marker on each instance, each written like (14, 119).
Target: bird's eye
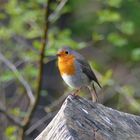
(66, 52)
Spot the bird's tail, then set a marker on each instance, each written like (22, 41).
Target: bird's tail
(93, 93)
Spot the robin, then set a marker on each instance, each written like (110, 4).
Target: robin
(76, 71)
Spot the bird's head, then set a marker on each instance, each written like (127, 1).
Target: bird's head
(65, 54)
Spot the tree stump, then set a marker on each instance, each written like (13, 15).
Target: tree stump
(81, 119)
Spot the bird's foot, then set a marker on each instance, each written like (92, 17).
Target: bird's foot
(75, 93)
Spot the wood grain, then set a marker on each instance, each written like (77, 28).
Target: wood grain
(81, 119)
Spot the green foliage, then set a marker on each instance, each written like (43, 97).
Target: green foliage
(18, 112)
(25, 19)
(114, 3)
(127, 99)
(10, 133)
(57, 39)
(15, 111)
(7, 76)
(113, 22)
(136, 54)
(127, 27)
(97, 37)
(116, 39)
(107, 79)
(108, 16)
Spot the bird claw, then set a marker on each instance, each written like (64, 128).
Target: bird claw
(76, 92)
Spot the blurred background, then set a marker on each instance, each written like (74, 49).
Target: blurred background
(106, 32)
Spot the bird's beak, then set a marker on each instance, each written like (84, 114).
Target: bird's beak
(58, 54)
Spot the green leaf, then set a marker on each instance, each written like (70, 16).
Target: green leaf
(129, 90)
(97, 37)
(10, 131)
(13, 8)
(41, 1)
(117, 39)
(127, 27)
(136, 54)
(114, 3)
(29, 71)
(2, 16)
(7, 76)
(37, 44)
(15, 111)
(59, 39)
(5, 33)
(108, 16)
(107, 78)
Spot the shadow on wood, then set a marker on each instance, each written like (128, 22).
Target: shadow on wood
(81, 119)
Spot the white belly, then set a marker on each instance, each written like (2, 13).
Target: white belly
(77, 81)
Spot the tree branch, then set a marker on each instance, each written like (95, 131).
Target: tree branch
(55, 15)
(19, 76)
(11, 118)
(32, 108)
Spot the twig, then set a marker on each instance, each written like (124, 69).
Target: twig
(34, 100)
(12, 119)
(20, 134)
(55, 15)
(19, 76)
(32, 108)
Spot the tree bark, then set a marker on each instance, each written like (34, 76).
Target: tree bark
(81, 119)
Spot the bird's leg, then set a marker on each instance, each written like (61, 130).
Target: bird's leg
(76, 92)
(93, 93)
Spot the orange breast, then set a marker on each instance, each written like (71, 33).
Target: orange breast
(66, 65)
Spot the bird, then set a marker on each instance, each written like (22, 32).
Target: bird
(76, 71)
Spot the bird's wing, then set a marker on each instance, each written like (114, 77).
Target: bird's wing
(88, 71)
